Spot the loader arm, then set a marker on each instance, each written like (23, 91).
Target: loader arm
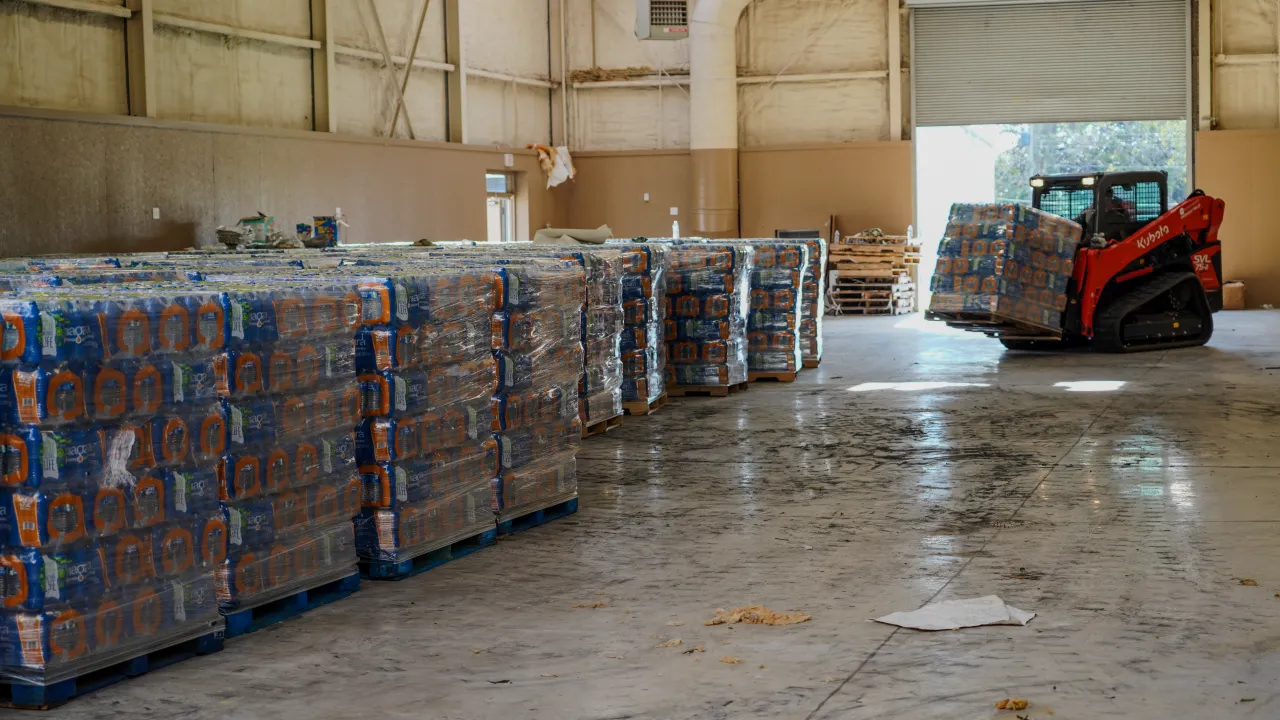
(1196, 221)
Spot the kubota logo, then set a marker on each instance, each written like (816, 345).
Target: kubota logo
(1153, 237)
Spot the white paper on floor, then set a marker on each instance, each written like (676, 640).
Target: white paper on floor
(956, 614)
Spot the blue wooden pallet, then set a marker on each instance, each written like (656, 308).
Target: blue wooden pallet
(538, 517)
(384, 570)
(243, 622)
(44, 697)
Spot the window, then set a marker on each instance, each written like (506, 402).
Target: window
(1067, 202)
(1140, 201)
(501, 206)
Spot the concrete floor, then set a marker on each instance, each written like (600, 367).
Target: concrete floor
(1125, 517)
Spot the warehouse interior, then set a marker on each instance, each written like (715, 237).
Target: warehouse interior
(614, 358)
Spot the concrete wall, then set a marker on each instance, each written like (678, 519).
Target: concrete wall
(1243, 168)
(1245, 78)
(863, 185)
(60, 59)
(810, 149)
(111, 172)
(1239, 161)
(807, 37)
(71, 60)
(510, 38)
(775, 37)
(365, 99)
(89, 182)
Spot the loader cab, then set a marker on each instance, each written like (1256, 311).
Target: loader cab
(1114, 205)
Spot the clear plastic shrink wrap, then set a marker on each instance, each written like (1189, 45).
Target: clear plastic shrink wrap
(428, 372)
(110, 524)
(708, 306)
(1007, 261)
(644, 290)
(292, 403)
(778, 280)
(813, 302)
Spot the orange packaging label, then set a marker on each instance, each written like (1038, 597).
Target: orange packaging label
(24, 391)
(26, 512)
(386, 532)
(220, 380)
(382, 350)
(381, 443)
(30, 634)
(223, 586)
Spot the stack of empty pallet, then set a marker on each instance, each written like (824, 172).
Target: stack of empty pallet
(874, 275)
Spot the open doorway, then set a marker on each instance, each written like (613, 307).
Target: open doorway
(994, 163)
(500, 206)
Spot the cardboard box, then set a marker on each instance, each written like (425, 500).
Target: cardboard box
(1233, 296)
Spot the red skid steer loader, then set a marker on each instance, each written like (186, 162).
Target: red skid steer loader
(1146, 276)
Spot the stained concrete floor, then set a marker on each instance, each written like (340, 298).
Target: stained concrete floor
(1126, 517)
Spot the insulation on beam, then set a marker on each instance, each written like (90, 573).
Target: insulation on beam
(368, 101)
(287, 17)
(59, 59)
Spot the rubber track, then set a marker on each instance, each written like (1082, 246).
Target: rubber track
(1107, 328)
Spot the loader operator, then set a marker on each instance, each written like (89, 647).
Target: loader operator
(1119, 212)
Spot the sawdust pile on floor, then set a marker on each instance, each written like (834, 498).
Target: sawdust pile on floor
(757, 615)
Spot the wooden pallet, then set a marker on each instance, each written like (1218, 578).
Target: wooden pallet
(601, 427)
(812, 362)
(243, 622)
(786, 377)
(874, 256)
(886, 270)
(993, 324)
(874, 295)
(705, 390)
(534, 518)
(862, 273)
(23, 696)
(874, 311)
(403, 569)
(885, 300)
(645, 408)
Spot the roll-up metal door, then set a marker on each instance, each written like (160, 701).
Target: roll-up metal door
(977, 63)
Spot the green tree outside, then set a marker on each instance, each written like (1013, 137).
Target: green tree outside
(1069, 148)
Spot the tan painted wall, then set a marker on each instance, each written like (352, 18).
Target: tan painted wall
(865, 184)
(1243, 168)
(610, 188)
(109, 172)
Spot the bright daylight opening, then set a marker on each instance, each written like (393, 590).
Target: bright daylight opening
(1091, 385)
(912, 386)
(995, 163)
